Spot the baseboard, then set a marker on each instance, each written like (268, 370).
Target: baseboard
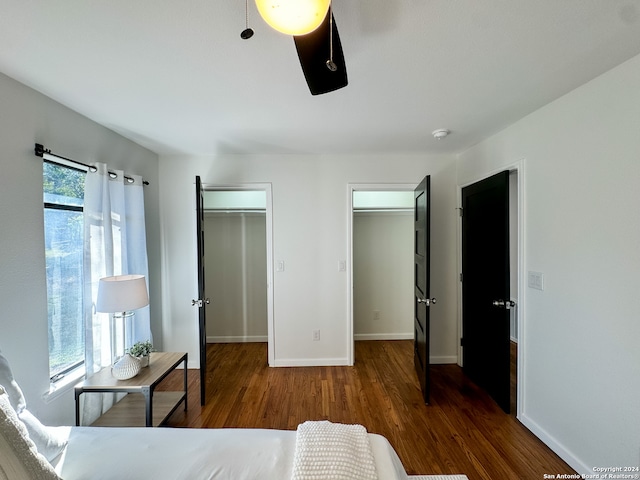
(238, 339)
(192, 365)
(311, 362)
(556, 446)
(443, 360)
(382, 336)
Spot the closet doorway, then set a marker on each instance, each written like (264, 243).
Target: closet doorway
(237, 264)
(382, 262)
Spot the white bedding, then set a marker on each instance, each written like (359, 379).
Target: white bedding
(95, 453)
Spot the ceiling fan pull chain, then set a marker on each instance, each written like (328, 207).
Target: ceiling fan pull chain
(247, 33)
(330, 64)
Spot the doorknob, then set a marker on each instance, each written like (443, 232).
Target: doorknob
(199, 302)
(427, 301)
(508, 304)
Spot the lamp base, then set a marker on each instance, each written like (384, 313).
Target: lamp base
(119, 335)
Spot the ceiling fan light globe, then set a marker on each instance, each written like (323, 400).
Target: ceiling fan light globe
(293, 17)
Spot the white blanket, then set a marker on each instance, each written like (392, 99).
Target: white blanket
(100, 453)
(333, 451)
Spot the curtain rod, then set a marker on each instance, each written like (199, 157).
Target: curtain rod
(40, 151)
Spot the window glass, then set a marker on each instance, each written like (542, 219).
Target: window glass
(63, 225)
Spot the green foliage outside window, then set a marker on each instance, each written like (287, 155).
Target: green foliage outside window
(63, 181)
(63, 189)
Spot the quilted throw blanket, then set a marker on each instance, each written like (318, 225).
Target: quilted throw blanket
(335, 451)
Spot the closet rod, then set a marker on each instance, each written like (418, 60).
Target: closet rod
(39, 151)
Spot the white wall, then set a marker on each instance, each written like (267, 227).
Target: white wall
(28, 117)
(236, 276)
(582, 230)
(310, 216)
(383, 275)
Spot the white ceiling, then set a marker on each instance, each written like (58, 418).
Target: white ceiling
(175, 76)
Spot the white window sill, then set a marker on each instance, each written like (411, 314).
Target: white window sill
(64, 384)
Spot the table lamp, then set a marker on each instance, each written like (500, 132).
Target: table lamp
(120, 295)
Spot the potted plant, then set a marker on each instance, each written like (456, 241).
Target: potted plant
(141, 350)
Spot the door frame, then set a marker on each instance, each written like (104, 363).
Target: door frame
(354, 187)
(519, 167)
(267, 188)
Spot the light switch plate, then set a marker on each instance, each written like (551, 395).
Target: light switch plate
(535, 280)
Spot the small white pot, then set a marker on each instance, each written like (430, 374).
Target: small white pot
(125, 367)
(144, 361)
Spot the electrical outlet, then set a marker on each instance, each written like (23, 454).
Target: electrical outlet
(316, 335)
(376, 315)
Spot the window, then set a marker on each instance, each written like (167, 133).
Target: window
(63, 234)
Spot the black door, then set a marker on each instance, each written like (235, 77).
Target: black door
(422, 300)
(485, 285)
(201, 302)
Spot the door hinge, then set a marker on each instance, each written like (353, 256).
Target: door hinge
(461, 211)
(462, 341)
(460, 277)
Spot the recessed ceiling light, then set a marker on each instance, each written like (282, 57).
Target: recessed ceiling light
(440, 133)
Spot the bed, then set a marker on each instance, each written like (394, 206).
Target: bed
(96, 453)
(316, 450)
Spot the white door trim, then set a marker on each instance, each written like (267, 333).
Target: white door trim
(267, 188)
(354, 187)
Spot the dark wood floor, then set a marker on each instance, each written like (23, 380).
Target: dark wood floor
(461, 431)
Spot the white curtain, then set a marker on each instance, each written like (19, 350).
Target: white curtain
(114, 244)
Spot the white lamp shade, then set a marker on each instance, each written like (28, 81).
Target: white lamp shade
(293, 17)
(122, 293)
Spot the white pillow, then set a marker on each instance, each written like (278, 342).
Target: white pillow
(19, 458)
(48, 441)
(16, 398)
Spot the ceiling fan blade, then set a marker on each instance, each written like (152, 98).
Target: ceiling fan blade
(314, 53)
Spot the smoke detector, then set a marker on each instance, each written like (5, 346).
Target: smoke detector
(440, 133)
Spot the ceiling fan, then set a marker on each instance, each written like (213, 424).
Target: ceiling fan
(315, 34)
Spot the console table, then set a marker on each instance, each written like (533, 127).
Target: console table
(142, 407)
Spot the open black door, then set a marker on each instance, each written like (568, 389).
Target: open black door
(422, 300)
(485, 286)
(201, 302)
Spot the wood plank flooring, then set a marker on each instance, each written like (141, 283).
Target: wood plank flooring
(461, 431)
